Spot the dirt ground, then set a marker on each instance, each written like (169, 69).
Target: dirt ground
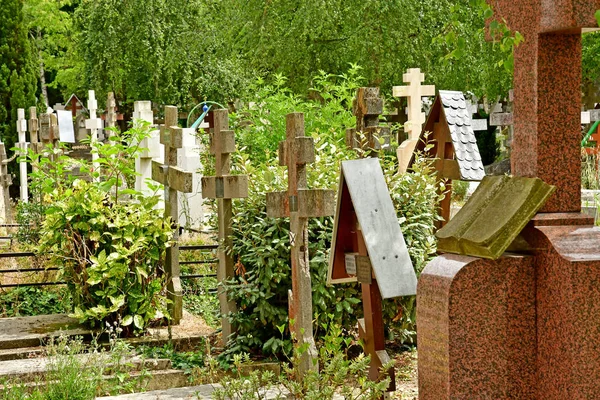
(406, 375)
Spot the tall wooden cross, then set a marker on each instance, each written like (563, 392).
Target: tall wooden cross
(414, 92)
(22, 132)
(174, 180)
(224, 188)
(299, 203)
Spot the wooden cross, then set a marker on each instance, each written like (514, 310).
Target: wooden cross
(224, 188)
(300, 203)
(93, 124)
(21, 132)
(414, 92)
(367, 107)
(174, 180)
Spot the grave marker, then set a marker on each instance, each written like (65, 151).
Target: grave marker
(93, 124)
(152, 148)
(367, 107)
(505, 328)
(224, 188)
(22, 144)
(299, 203)
(368, 246)
(111, 112)
(174, 179)
(414, 93)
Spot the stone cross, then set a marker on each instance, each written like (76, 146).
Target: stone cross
(299, 203)
(174, 179)
(143, 163)
(504, 328)
(504, 118)
(224, 188)
(367, 107)
(22, 131)
(93, 124)
(414, 92)
(111, 112)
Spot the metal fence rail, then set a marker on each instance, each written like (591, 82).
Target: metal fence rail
(203, 247)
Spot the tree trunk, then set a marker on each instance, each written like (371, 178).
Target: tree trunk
(42, 72)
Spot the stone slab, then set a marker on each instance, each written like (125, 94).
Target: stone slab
(493, 216)
(20, 332)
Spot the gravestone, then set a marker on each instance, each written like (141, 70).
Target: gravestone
(174, 180)
(368, 247)
(367, 107)
(152, 148)
(300, 203)
(22, 144)
(414, 93)
(525, 326)
(224, 187)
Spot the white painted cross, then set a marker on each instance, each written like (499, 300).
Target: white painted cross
(414, 93)
(21, 130)
(93, 124)
(153, 149)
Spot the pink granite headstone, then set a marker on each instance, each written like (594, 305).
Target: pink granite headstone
(526, 326)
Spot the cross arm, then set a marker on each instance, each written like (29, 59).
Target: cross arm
(171, 136)
(173, 177)
(225, 187)
(301, 151)
(310, 203)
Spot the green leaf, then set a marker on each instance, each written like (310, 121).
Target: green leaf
(128, 320)
(138, 321)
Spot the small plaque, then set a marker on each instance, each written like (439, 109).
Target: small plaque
(364, 272)
(351, 263)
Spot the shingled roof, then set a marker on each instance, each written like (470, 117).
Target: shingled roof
(463, 137)
(454, 108)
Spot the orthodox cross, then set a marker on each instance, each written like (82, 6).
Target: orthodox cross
(299, 203)
(224, 188)
(414, 92)
(174, 180)
(22, 144)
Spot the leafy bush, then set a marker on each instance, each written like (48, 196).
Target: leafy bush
(261, 244)
(23, 301)
(107, 240)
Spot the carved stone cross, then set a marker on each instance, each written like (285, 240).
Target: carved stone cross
(174, 180)
(414, 92)
(299, 203)
(224, 188)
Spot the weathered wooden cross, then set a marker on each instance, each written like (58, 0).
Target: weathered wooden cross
(414, 92)
(174, 179)
(367, 107)
(300, 203)
(224, 188)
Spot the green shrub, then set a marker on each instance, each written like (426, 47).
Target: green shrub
(261, 244)
(27, 300)
(107, 240)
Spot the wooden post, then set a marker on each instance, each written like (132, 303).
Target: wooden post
(414, 92)
(22, 131)
(299, 204)
(224, 188)
(174, 179)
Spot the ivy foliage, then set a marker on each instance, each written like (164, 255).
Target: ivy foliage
(261, 245)
(108, 241)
